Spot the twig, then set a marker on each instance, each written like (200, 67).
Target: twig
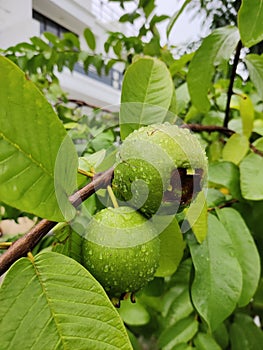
(209, 128)
(221, 129)
(255, 150)
(225, 205)
(82, 103)
(26, 243)
(231, 84)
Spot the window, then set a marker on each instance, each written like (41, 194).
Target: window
(114, 78)
(47, 25)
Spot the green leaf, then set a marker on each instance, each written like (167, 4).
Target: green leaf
(226, 175)
(172, 246)
(146, 94)
(247, 115)
(218, 277)
(197, 217)
(71, 40)
(134, 314)
(179, 64)
(214, 49)
(251, 179)
(40, 43)
(90, 162)
(221, 335)
(254, 65)
(259, 144)
(51, 38)
(38, 159)
(90, 39)
(182, 346)
(180, 332)
(236, 148)
(52, 302)
(180, 307)
(182, 98)
(214, 197)
(67, 242)
(246, 252)
(245, 335)
(205, 342)
(250, 19)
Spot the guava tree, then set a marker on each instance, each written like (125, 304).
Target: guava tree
(138, 243)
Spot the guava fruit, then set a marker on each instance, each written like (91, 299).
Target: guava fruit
(160, 168)
(121, 250)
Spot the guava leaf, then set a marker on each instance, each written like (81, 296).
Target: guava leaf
(254, 65)
(244, 334)
(90, 39)
(67, 241)
(147, 92)
(250, 19)
(171, 248)
(247, 115)
(251, 179)
(197, 217)
(134, 314)
(204, 341)
(225, 174)
(246, 252)
(217, 284)
(38, 159)
(52, 302)
(214, 49)
(180, 332)
(180, 307)
(236, 148)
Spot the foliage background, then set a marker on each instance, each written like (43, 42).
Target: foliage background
(212, 296)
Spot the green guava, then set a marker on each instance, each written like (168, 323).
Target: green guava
(121, 250)
(160, 168)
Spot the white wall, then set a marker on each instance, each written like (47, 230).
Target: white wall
(17, 25)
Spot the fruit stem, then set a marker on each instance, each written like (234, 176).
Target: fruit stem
(112, 197)
(5, 245)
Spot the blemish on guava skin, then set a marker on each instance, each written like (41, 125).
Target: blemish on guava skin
(183, 186)
(150, 133)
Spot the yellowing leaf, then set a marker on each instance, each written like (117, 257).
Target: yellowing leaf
(247, 115)
(197, 217)
(236, 148)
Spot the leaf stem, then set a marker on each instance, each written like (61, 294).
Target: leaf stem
(231, 84)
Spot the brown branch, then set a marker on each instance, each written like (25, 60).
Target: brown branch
(209, 128)
(224, 205)
(82, 103)
(231, 84)
(26, 243)
(255, 150)
(221, 129)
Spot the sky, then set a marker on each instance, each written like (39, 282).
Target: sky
(186, 28)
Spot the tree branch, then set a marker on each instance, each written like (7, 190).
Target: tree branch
(209, 128)
(221, 129)
(82, 103)
(231, 84)
(26, 243)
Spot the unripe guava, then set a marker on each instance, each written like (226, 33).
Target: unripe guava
(121, 250)
(160, 168)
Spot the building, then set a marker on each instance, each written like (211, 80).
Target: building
(23, 19)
